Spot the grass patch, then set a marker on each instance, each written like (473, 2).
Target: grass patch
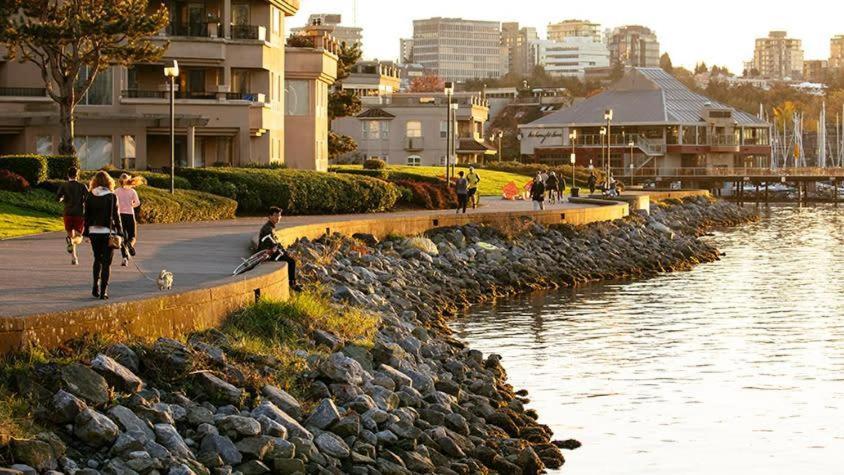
(492, 181)
(16, 221)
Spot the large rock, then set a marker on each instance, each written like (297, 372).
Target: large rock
(174, 355)
(340, 367)
(125, 356)
(240, 426)
(218, 390)
(283, 400)
(131, 423)
(85, 383)
(167, 436)
(95, 429)
(35, 453)
(222, 446)
(255, 447)
(294, 429)
(333, 445)
(66, 407)
(116, 374)
(324, 415)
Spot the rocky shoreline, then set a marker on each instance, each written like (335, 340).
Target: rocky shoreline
(413, 399)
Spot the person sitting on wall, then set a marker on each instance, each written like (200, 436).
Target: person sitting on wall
(267, 240)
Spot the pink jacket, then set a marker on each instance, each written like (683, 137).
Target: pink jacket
(127, 200)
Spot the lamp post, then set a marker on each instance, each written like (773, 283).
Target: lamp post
(498, 135)
(631, 144)
(449, 90)
(572, 157)
(172, 71)
(603, 152)
(608, 118)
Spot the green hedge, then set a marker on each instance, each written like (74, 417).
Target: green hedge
(296, 191)
(32, 167)
(157, 180)
(387, 174)
(58, 165)
(531, 169)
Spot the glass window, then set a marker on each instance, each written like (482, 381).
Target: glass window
(414, 160)
(240, 14)
(94, 152)
(443, 129)
(99, 94)
(414, 128)
(297, 99)
(44, 145)
(127, 151)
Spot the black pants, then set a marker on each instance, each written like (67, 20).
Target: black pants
(129, 234)
(291, 266)
(462, 201)
(102, 259)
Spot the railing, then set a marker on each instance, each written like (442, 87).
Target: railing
(242, 96)
(141, 94)
(726, 140)
(149, 94)
(199, 30)
(741, 172)
(415, 143)
(246, 32)
(23, 92)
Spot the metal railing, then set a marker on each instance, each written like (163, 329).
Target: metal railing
(749, 172)
(242, 96)
(150, 94)
(246, 32)
(142, 94)
(198, 30)
(23, 92)
(415, 143)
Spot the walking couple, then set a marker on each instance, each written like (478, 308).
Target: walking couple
(105, 216)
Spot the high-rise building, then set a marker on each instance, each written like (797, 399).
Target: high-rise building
(458, 49)
(517, 43)
(815, 70)
(571, 56)
(330, 23)
(836, 52)
(575, 28)
(634, 46)
(406, 51)
(778, 57)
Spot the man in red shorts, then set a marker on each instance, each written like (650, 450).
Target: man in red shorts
(72, 194)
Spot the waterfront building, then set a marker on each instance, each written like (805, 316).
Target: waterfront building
(778, 57)
(330, 24)
(230, 96)
(571, 56)
(517, 42)
(456, 49)
(815, 70)
(633, 46)
(673, 130)
(406, 50)
(373, 78)
(575, 29)
(836, 52)
(411, 128)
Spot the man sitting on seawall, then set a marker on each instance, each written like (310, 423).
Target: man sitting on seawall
(267, 240)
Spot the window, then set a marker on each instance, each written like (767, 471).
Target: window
(414, 160)
(127, 151)
(94, 152)
(414, 128)
(99, 94)
(376, 129)
(298, 97)
(240, 14)
(44, 145)
(443, 129)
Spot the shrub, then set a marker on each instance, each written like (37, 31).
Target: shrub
(428, 195)
(296, 191)
(531, 169)
(32, 167)
(387, 174)
(12, 182)
(157, 180)
(58, 165)
(374, 164)
(379, 174)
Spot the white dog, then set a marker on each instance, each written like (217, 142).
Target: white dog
(165, 280)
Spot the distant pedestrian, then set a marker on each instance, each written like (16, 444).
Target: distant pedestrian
(128, 200)
(592, 182)
(474, 179)
(73, 194)
(537, 193)
(103, 228)
(552, 185)
(543, 176)
(461, 187)
(561, 186)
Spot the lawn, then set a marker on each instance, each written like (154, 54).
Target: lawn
(15, 221)
(491, 181)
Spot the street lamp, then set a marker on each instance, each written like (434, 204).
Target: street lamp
(603, 152)
(631, 144)
(449, 91)
(608, 118)
(498, 135)
(572, 157)
(171, 70)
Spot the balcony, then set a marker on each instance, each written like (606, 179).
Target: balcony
(248, 32)
(415, 144)
(193, 95)
(192, 30)
(23, 92)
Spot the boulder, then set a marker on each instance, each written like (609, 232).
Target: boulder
(85, 383)
(239, 425)
(252, 467)
(167, 436)
(255, 447)
(218, 390)
(94, 428)
(65, 407)
(125, 356)
(324, 415)
(37, 454)
(116, 374)
(174, 355)
(283, 400)
(331, 444)
(222, 446)
(294, 429)
(131, 423)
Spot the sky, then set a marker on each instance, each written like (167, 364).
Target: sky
(714, 31)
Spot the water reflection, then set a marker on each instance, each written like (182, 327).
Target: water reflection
(734, 367)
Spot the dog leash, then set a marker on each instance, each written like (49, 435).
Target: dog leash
(142, 272)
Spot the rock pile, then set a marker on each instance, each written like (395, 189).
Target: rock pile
(417, 401)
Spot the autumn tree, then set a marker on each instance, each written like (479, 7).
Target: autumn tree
(343, 103)
(429, 83)
(66, 38)
(665, 63)
(701, 68)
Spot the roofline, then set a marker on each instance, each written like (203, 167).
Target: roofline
(622, 124)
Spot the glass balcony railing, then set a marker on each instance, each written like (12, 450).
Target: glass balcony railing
(23, 92)
(246, 32)
(197, 30)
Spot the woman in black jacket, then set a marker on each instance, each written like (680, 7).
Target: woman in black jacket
(102, 219)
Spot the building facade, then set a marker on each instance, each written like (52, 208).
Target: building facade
(230, 95)
(633, 46)
(815, 70)
(373, 78)
(456, 49)
(659, 128)
(570, 57)
(329, 23)
(406, 51)
(836, 52)
(517, 41)
(778, 57)
(575, 29)
(412, 128)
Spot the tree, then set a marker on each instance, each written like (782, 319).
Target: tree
(343, 103)
(665, 63)
(701, 68)
(65, 38)
(429, 83)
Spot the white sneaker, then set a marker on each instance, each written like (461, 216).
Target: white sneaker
(74, 261)
(125, 262)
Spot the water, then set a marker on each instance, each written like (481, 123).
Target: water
(736, 367)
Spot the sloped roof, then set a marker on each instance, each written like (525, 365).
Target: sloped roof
(644, 96)
(375, 113)
(472, 145)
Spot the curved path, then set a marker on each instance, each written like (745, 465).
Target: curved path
(36, 276)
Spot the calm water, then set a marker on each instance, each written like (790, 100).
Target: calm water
(736, 367)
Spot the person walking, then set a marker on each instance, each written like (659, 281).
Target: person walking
(461, 187)
(267, 240)
(103, 228)
(537, 193)
(73, 194)
(552, 187)
(128, 200)
(474, 179)
(561, 187)
(593, 180)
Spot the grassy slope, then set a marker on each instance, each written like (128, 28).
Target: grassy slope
(17, 221)
(491, 181)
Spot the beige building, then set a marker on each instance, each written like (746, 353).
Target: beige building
(836, 52)
(815, 70)
(456, 49)
(329, 24)
(516, 41)
(373, 78)
(778, 57)
(230, 95)
(411, 128)
(634, 46)
(575, 29)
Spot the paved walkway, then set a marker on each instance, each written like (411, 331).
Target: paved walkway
(36, 275)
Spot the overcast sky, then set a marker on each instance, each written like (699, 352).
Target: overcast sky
(714, 31)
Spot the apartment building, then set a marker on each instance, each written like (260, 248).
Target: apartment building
(778, 57)
(517, 41)
(575, 29)
(633, 46)
(330, 24)
(405, 50)
(456, 49)
(570, 57)
(815, 70)
(229, 98)
(836, 52)
(373, 78)
(412, 128)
